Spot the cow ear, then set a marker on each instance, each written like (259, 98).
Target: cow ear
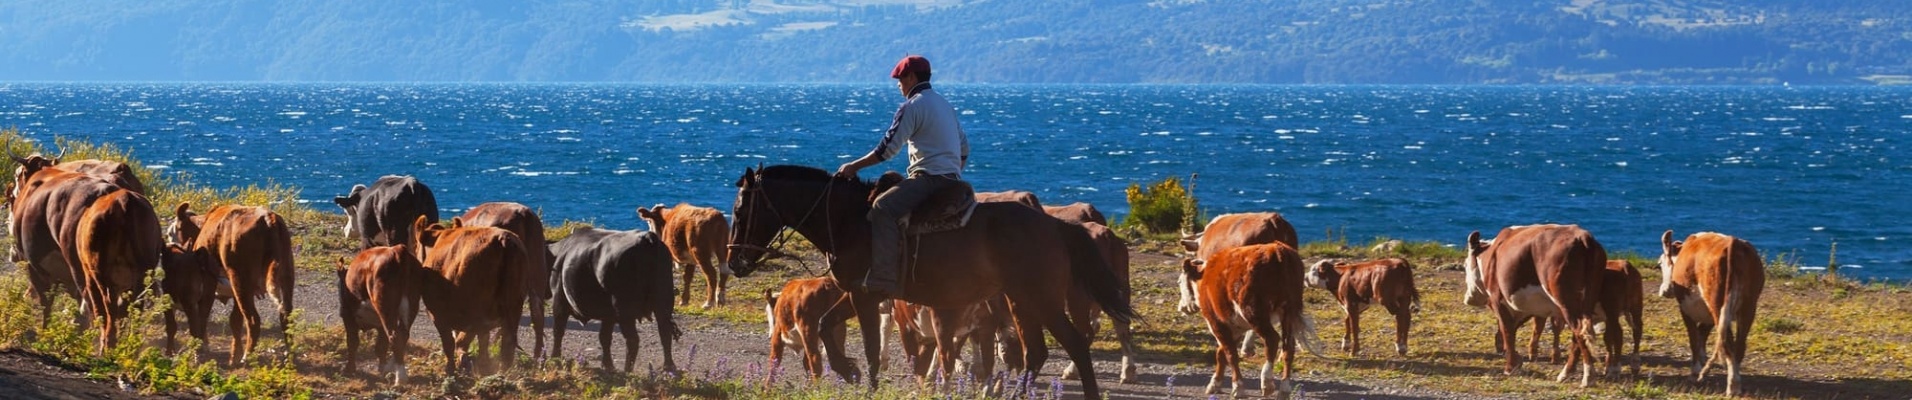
(183, 211)
(1473, 242)
(457, 222)
(1193, 268)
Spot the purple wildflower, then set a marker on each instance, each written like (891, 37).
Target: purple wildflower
(1055, 387)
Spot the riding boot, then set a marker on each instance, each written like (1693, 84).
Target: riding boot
(886, 253)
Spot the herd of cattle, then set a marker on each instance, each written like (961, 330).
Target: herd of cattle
(86, 226)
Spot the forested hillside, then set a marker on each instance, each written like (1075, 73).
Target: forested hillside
(1102, 41)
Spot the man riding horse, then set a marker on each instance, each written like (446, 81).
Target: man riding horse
(938, 152)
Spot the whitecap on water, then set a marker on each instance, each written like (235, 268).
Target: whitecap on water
(543, 173)
(1620, 163)
(1818, 228)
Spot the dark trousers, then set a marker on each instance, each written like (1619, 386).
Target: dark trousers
(886, 226)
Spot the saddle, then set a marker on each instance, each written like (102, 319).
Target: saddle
(946, 210)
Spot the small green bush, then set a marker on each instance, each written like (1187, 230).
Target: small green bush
(1167, 206)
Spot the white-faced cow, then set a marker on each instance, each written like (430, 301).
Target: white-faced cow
(1541, 271)
(617, 278)
(1250, 288)
(382, 214)
(1387, 282)
(812, 315)
(1717, 280)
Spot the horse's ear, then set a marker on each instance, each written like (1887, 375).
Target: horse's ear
(745, 179)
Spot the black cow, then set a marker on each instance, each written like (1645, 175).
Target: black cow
(617, 277)
(382, 214)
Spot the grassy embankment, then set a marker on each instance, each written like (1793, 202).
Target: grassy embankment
(1815, 337)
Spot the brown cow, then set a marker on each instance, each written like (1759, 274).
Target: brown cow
(696, 236)
(1078, 213)
(937, 335)
(378, 290)
(812, 315)
(1717, 280)
(473, 288)
(1234, 230)
(1388, 282)
(252, 248)
(1539, 270)
(523, 221)
(193, 284)
(1621, 298)
(83, 231)
(1010, 196)
(1249, 288)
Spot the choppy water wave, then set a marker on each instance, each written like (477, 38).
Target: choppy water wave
(1790, 169)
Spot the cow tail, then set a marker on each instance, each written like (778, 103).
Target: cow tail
(1413, 295)
(1091, 271)
(1310, 340)
(1723, 323)
(280, 281)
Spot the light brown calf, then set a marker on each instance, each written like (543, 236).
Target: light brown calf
(252, 248)
(1387, 282)
(523, 221)
(378, 290)
(811, 314)
(474, 287)
(696, 237)
(1717, 280)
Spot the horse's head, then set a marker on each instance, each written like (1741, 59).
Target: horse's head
(754, 223)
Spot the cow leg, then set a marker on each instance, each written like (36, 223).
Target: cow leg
(776, 342)
(1083, 313)
(1225, 355)
(628, 328)
(667, 332)
(1029, 331)
(469, 356)
(537, 324)
(172, 326)
(983, 352)
(1403, 320)
(508, 338)
(236, 324)
(478, 354)
(604, 343)
(1127, 339)
(398, 331)
(1696, 332)
(1737, 347)
(1633, 318)
(1508, 326)
(449, 345)
(348, 313)
(1271, 340)
(1354, 331)
(1614, 338)
(711, 285)
(812, 346)
(684, 294)
(1554, 324)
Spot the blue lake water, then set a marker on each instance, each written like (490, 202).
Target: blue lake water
(1789, 169)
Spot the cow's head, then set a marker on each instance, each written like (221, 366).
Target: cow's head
(753, 224)
(1191, 275)
(183, 229)
(350, 202)
(1323, 274)
(425, 235)
(653, 216)
(1476, 294)
(1669, 255)
(769, 312)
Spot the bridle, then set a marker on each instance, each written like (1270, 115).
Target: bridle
(770, 252)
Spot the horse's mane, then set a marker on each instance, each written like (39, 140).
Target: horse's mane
(803, 173)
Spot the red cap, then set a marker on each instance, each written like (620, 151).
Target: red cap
(912, 65)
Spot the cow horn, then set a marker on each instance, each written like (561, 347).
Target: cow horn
(16, 157)
(56, 158)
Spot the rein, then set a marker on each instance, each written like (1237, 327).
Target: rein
(782, 236)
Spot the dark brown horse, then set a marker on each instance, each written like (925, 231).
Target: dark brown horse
(1006, 249)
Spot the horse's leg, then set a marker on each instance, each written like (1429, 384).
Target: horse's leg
(872, 337)
(833, 347)
(946, 347)
(1083, 313)
(1076, 346)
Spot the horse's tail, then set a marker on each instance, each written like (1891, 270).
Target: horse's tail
(1091, 271)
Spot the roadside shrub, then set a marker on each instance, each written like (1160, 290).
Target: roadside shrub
(1162, 207)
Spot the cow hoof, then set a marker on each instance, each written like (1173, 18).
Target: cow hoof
(1128, 373)
(1069, 372)
(1400, 349)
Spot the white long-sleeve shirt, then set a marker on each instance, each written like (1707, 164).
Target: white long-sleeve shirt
(927, 123)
